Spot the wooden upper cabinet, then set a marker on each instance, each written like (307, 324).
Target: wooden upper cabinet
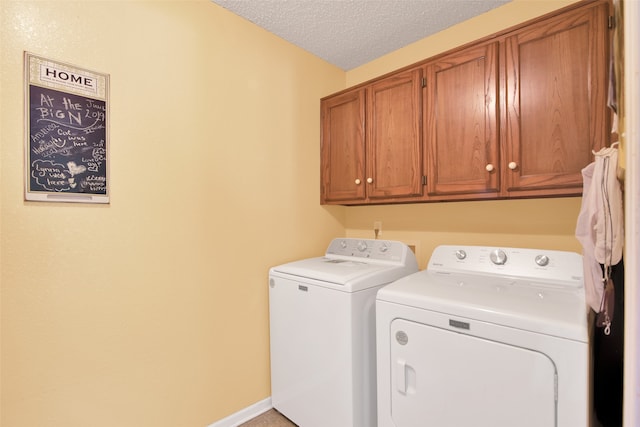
(394, 136)
(516, 114)
(371, 142)
(461, 116)
(342, 147)
(556, 108)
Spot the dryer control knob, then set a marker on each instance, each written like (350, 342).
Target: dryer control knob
(402, 337)
(498, 257)
(542, 260)
(461, 254)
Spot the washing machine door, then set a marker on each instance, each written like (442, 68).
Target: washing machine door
(450, 379)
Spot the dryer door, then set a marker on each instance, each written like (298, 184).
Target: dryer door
(449, 379)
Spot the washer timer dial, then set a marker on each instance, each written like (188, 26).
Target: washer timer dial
(498, 257)
(461, 254)
(542, 260)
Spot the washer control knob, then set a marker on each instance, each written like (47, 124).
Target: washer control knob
(343, 244)
(461, 254)
(362, 246)
(498, 257)
(542, 260)
(384, 247)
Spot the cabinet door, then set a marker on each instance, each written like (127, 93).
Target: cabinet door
(556, 81)
(461, 116)
(394, 162)
(342, 147)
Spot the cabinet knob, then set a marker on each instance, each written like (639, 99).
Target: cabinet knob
(369, 180)
(513, 165)
(357, 181)
(489, 167)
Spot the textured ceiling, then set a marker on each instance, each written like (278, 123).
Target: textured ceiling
(349, 33)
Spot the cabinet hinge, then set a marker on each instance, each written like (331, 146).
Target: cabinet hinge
(612, 22)
(424, 82)
(424, 180)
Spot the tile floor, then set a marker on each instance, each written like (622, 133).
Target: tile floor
(271, 418)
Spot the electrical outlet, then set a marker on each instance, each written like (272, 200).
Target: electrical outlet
(377, 228)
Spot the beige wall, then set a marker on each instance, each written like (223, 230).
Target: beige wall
(538, 223)
(214, 155)
(153, 310)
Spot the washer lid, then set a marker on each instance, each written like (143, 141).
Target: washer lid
(531, 305)
(350, 275)
(355, 264)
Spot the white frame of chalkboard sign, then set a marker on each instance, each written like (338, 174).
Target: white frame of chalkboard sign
(66, 132)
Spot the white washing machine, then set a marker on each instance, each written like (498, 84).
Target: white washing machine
(485, 337)
(322, 326)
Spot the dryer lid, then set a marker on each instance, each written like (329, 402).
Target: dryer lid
(527, 305)
(536, 290)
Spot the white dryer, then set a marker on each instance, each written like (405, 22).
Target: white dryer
(485, 337)
(322, 331)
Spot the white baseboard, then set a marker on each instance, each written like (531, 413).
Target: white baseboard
(245, 414)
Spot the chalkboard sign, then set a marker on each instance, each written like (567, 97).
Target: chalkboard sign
(66, 133)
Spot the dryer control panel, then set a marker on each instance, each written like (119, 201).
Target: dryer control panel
(380, 250)
(532, 264)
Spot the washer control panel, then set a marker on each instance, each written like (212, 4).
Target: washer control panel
(381, 250)
(532, 264)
